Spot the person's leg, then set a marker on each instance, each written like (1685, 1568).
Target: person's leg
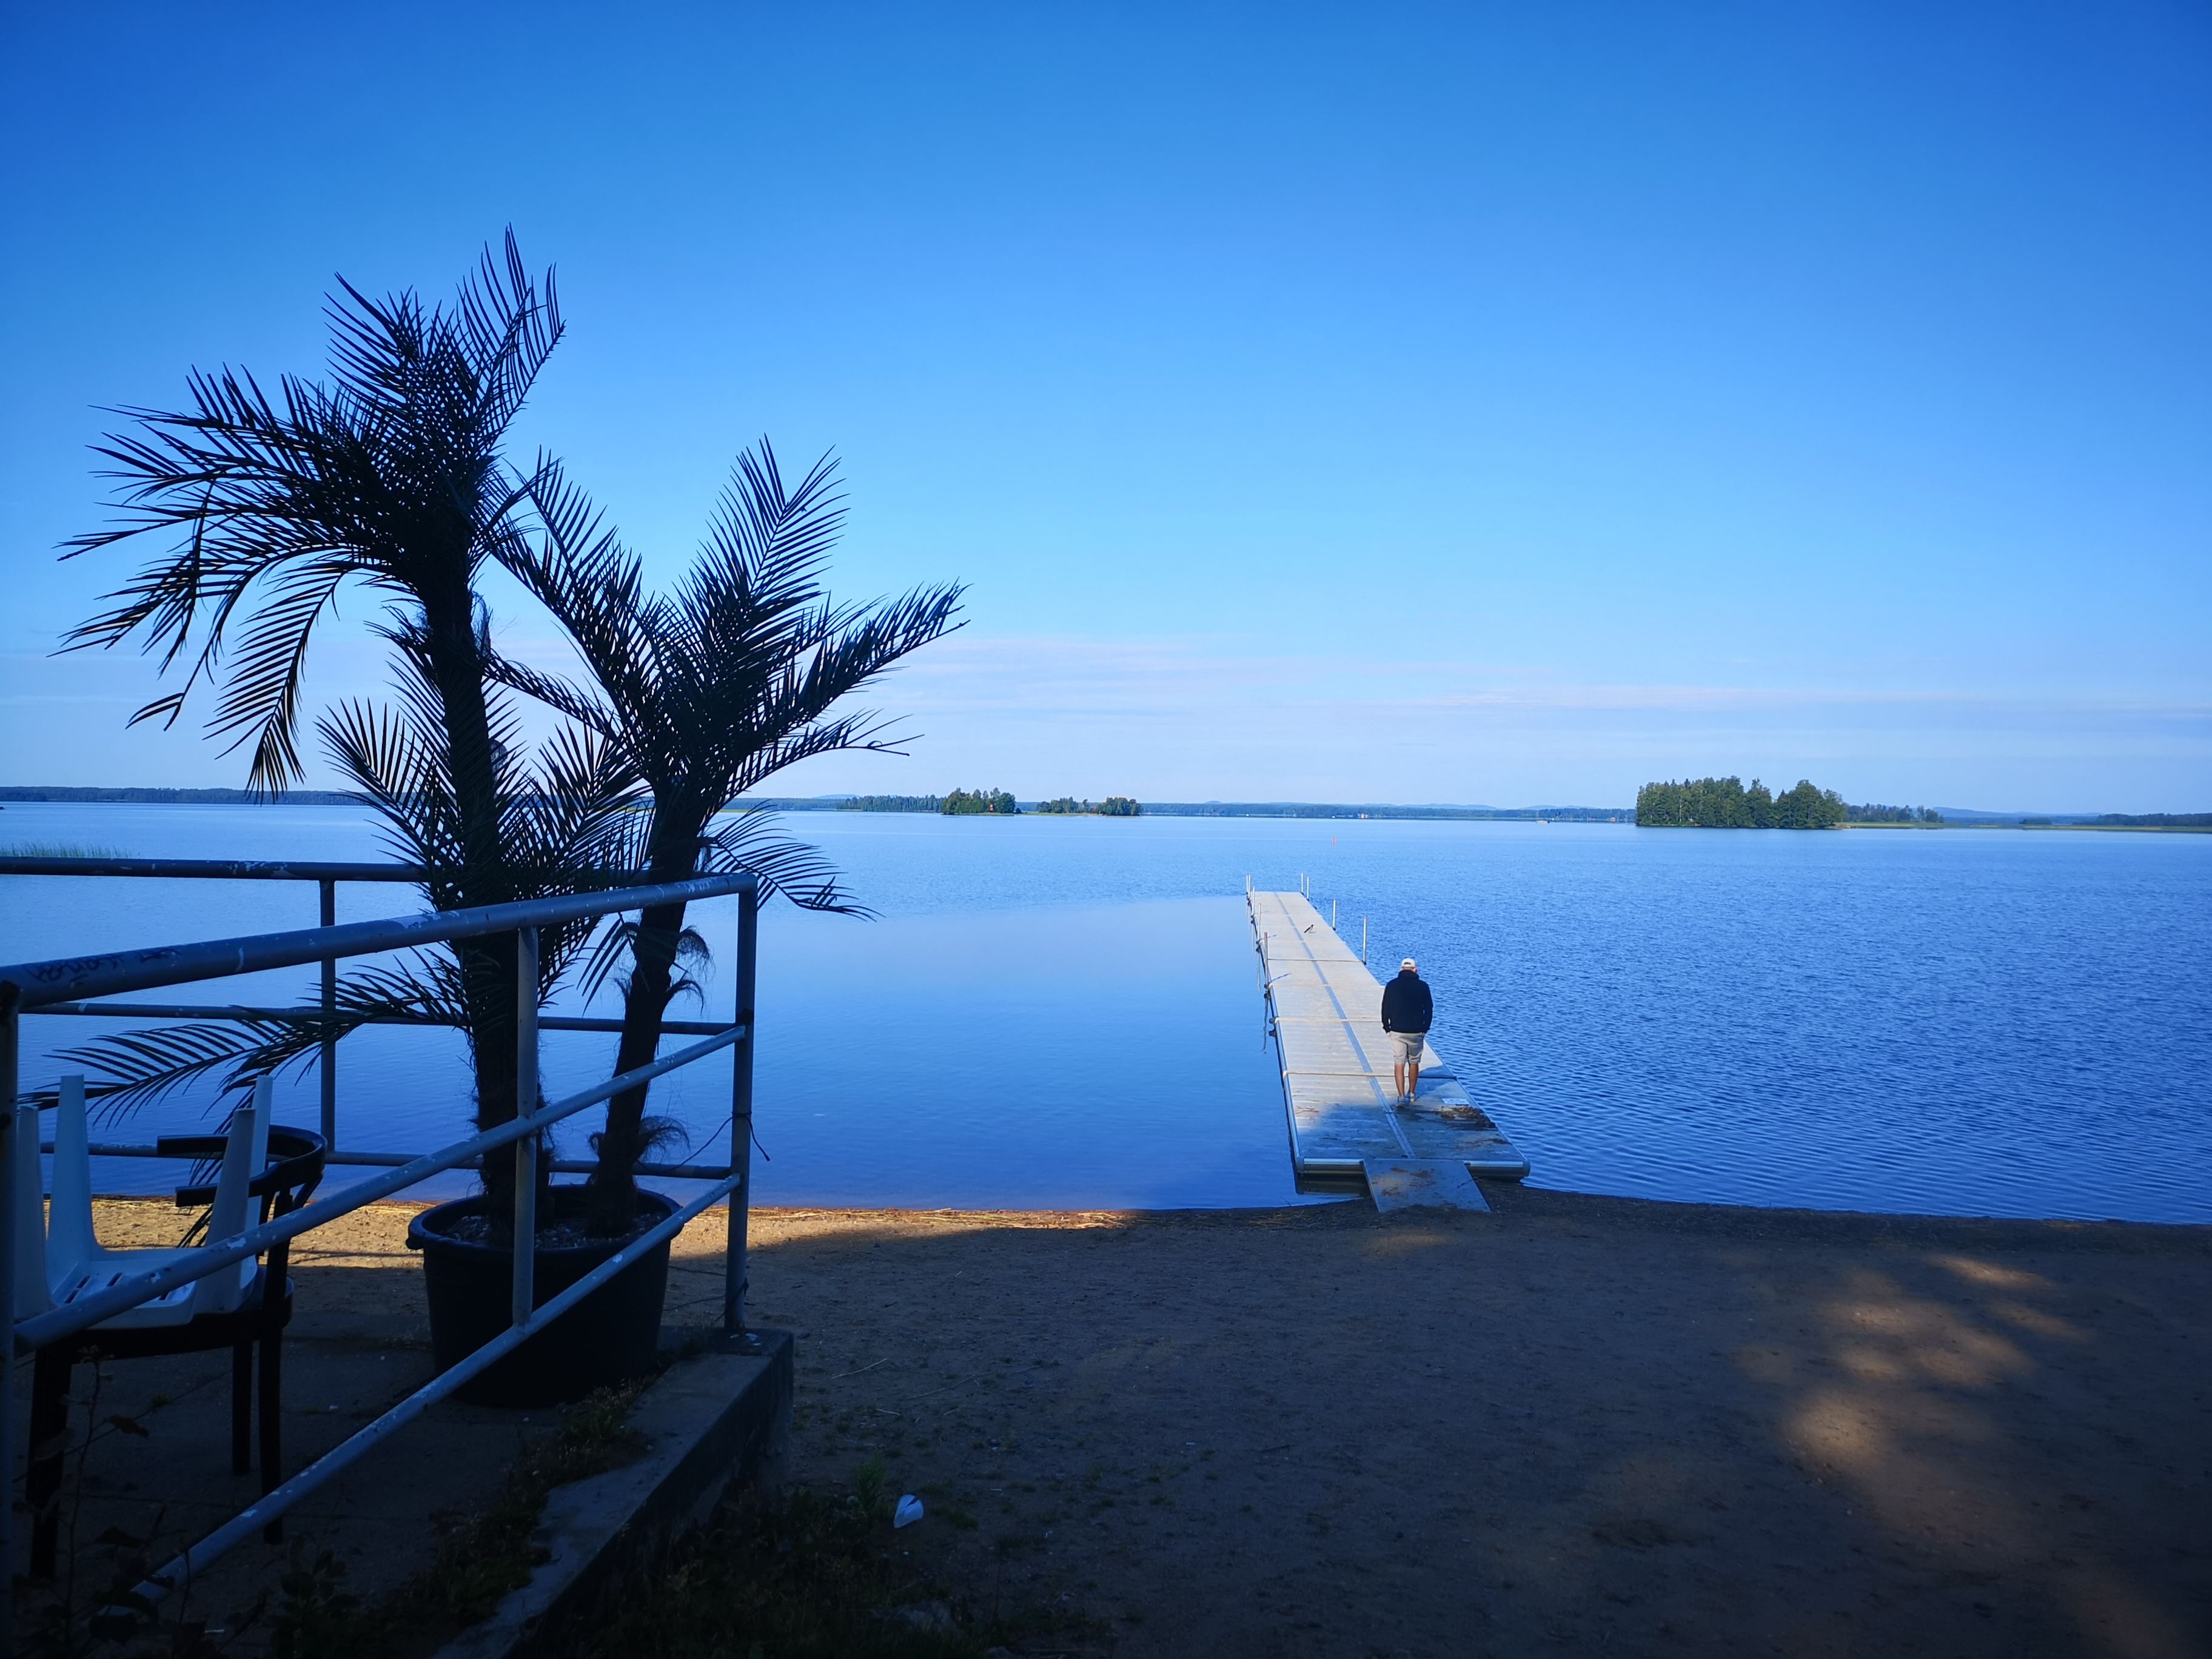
(1413, 1076)
(1398, 1076)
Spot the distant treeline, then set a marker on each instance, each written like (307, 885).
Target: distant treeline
(178, 797)
(1871, 814)
(1299, 809)
(987, 802)
(2156, 820)
(1725, 804)
(996, 803)
(1114, 806)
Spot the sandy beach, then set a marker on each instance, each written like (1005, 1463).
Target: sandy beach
(1579, 1423)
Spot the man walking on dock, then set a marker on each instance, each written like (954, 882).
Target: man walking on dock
(1408, 1009)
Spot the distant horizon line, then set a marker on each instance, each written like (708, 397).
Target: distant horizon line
(184, 795)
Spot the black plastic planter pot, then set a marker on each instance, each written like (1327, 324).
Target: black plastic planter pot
(612, 1334)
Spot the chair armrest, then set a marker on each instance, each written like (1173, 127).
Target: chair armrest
(298, 1154)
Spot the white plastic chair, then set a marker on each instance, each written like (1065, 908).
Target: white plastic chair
(63, 1261)
(242, 1308)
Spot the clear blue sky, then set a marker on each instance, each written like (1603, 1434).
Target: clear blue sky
(1479, 404)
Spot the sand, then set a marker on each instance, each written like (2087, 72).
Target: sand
(1579, 1425)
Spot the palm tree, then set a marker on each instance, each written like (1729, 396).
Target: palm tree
(392, 475)
(706, 692)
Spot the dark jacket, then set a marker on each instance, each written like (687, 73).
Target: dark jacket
(1407, 1005)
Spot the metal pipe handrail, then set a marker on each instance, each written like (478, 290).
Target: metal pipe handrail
(393, 1160)
(326, 874)
(215, 869)
(72, 979)
(58, 986)
(242, 1526)
(318, 1017)
(272, 870)
(41, 1329)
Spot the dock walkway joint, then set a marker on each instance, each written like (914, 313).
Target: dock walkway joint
(1326, 1010)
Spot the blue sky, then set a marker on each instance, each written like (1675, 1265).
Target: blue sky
(1477, 404)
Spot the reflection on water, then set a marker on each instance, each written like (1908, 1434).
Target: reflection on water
(1063, 1013)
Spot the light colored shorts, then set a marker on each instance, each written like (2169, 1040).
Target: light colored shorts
(1406, 1047)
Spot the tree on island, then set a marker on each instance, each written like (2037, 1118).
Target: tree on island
(1725, 804)
(1114, 806)
(893, 804)
(975, 803)
(1873, 814)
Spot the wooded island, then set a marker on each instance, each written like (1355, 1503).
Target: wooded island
(1725, 804)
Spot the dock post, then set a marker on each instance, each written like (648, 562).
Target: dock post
(1362, 938)
(1332, 916)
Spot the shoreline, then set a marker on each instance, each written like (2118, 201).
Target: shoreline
(1686, 1216)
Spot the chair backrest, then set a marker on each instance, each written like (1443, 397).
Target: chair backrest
(32, 1294)
(70, 1241)
(245, 1149)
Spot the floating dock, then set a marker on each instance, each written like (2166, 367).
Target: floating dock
(1326, 1011)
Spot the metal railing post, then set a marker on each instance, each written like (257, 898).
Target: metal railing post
(526, 1107)
(741, 1117)
(8, 1028)
(1363, 940)
(330, 1057)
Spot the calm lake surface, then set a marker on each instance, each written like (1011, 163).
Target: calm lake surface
(1064, 1012)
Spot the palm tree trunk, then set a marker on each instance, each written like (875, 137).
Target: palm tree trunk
(613, 1207)
(488, 964)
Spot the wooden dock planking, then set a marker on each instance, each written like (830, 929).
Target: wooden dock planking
(1325, 1008)
(1423, 1183)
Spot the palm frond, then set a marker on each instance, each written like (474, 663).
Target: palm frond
(390, 474)
(126, 1070)
(800, 872)
(768, 543)
(608, 947)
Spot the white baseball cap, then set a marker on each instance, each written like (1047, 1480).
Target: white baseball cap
(1407, 962)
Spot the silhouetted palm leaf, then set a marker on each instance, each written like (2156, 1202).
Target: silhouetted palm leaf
(706, 692)
(391, 475)
(126, 1070)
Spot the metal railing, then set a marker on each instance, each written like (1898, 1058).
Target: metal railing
(326, 876)
(63, 986)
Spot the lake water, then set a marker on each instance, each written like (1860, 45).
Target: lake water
(1064, 1012)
